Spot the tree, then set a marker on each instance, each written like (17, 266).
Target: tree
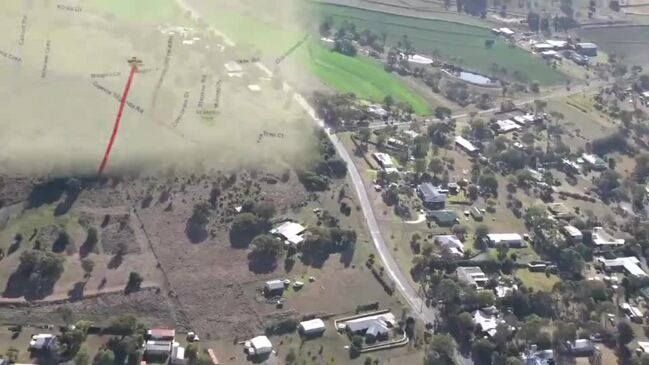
(436, 166)
(92, 237)
(264, 210)
(82, 358)
(442, 112)
(442, 344)
(606, 183)
(641, 170)
(88, 265)
(535, 87)
(196, 225)
(12, 354)
(488, 183)
(570, 262)
(105, 357)
(624, 332)
(388, 101)
(486, 298)
(447, 290)
(481, 351)
(246, 223)
(267, 246)
(67, 314)
(191, 352)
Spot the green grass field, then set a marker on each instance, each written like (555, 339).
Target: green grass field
(361, 76)
(452, 40)
(537, 280)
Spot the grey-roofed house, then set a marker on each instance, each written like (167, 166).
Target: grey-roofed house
(587, 49)
(581, 348)
(432, 196)
(274, 287)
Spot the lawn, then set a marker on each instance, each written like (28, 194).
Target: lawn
(537, 280)
(452, 40)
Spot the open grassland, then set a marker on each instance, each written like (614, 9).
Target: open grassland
(630, 43)
(361, 76)
(450, 39)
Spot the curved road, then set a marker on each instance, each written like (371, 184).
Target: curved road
(405, 287)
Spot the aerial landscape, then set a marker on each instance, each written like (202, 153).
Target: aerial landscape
(436, 182)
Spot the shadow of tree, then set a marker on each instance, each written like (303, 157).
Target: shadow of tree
(240, 240)
(115, 261)
(347, 255)
(314, 259)
(195, 233)
(46, 193)
(31, 287)
(76, 293)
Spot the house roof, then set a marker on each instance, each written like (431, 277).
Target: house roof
(471, 275)
(631, 264)
(261, 344)
(364, 323)
(572, 231)
(443, 217)
(487, 321)
(274, 285)
(586, 45)
(315, 324)
(465, 143)
(290, 231)
(603, 238)
(430, 193)
(504, 237)
(593, 159)
(158, 346)
(384, 159)
(161, 333)
(507, 125)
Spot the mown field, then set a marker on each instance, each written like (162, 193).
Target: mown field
(450, 39)
(630, 43)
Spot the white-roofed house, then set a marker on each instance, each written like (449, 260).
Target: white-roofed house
(465, 144)
(629, 265)
(487, 320)
(385, 161)
(601, 238)
(507, 125)
(292, 233)
(506, 239)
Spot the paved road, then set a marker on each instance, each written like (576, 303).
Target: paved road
(407, 290)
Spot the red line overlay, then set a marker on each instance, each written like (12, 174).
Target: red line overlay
(117, 120)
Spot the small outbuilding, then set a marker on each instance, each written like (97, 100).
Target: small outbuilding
(274, 287)
(312, 328)
(259, 345)
(587, 49)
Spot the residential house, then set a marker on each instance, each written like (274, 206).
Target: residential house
(601, 238)
(633, 313)
(385, 161)
(466, 145)
(505, 239)
(630, 265)
(377, 326)
(580, 348)
(443, 218)
(43, 342)
(290, 232)
(594, 162)
(506, 126)
(587, 49)
(540, 357)
(432, 196)
(450, 245)
(557, 44)
(487, 320)
(472, 276)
